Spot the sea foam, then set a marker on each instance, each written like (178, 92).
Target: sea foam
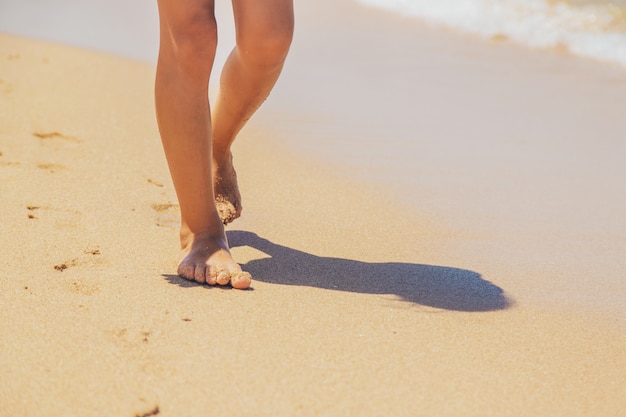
(592, 28)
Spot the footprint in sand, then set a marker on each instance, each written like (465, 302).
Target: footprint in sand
(7, 163)
(67, 264)
(168, 215)
(31, 211)
(85, 259)
(152, 412)
(155, 182)
(83, 285)
(51, 167)
(63, 218)
(131, 338)
(54, 136)
(84, 288)
(160, 208)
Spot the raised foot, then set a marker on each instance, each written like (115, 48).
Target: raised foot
(226, 209)
(208, 260)
(227, 196)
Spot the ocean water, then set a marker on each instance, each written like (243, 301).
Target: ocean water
(589, 28)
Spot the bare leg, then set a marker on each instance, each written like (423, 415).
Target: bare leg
(264, 33)
(187, 50)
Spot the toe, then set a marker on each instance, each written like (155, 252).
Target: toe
(223, 277)
(211, 276)
(241, 281)
(186, 271)
(200, 273)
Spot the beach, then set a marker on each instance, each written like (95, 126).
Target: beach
(434, 224)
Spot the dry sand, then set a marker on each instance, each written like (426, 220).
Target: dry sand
(361, 305)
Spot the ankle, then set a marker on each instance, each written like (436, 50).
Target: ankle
(189, 238)
(222, 154)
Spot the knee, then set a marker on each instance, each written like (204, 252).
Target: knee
(195, 53)
(190, 47)
(265, 47)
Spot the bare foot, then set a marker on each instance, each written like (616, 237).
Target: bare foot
(208, 260)
(227, 196)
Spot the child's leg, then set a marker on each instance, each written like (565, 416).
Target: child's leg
(187, 50)
(264, 33)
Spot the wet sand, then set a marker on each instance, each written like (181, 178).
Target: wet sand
(361, 304)
(517, 151)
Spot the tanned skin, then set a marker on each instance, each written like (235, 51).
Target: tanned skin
(196, 136)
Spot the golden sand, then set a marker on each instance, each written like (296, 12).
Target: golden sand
(353, 312)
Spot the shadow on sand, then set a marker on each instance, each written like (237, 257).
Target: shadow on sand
(428, 285)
